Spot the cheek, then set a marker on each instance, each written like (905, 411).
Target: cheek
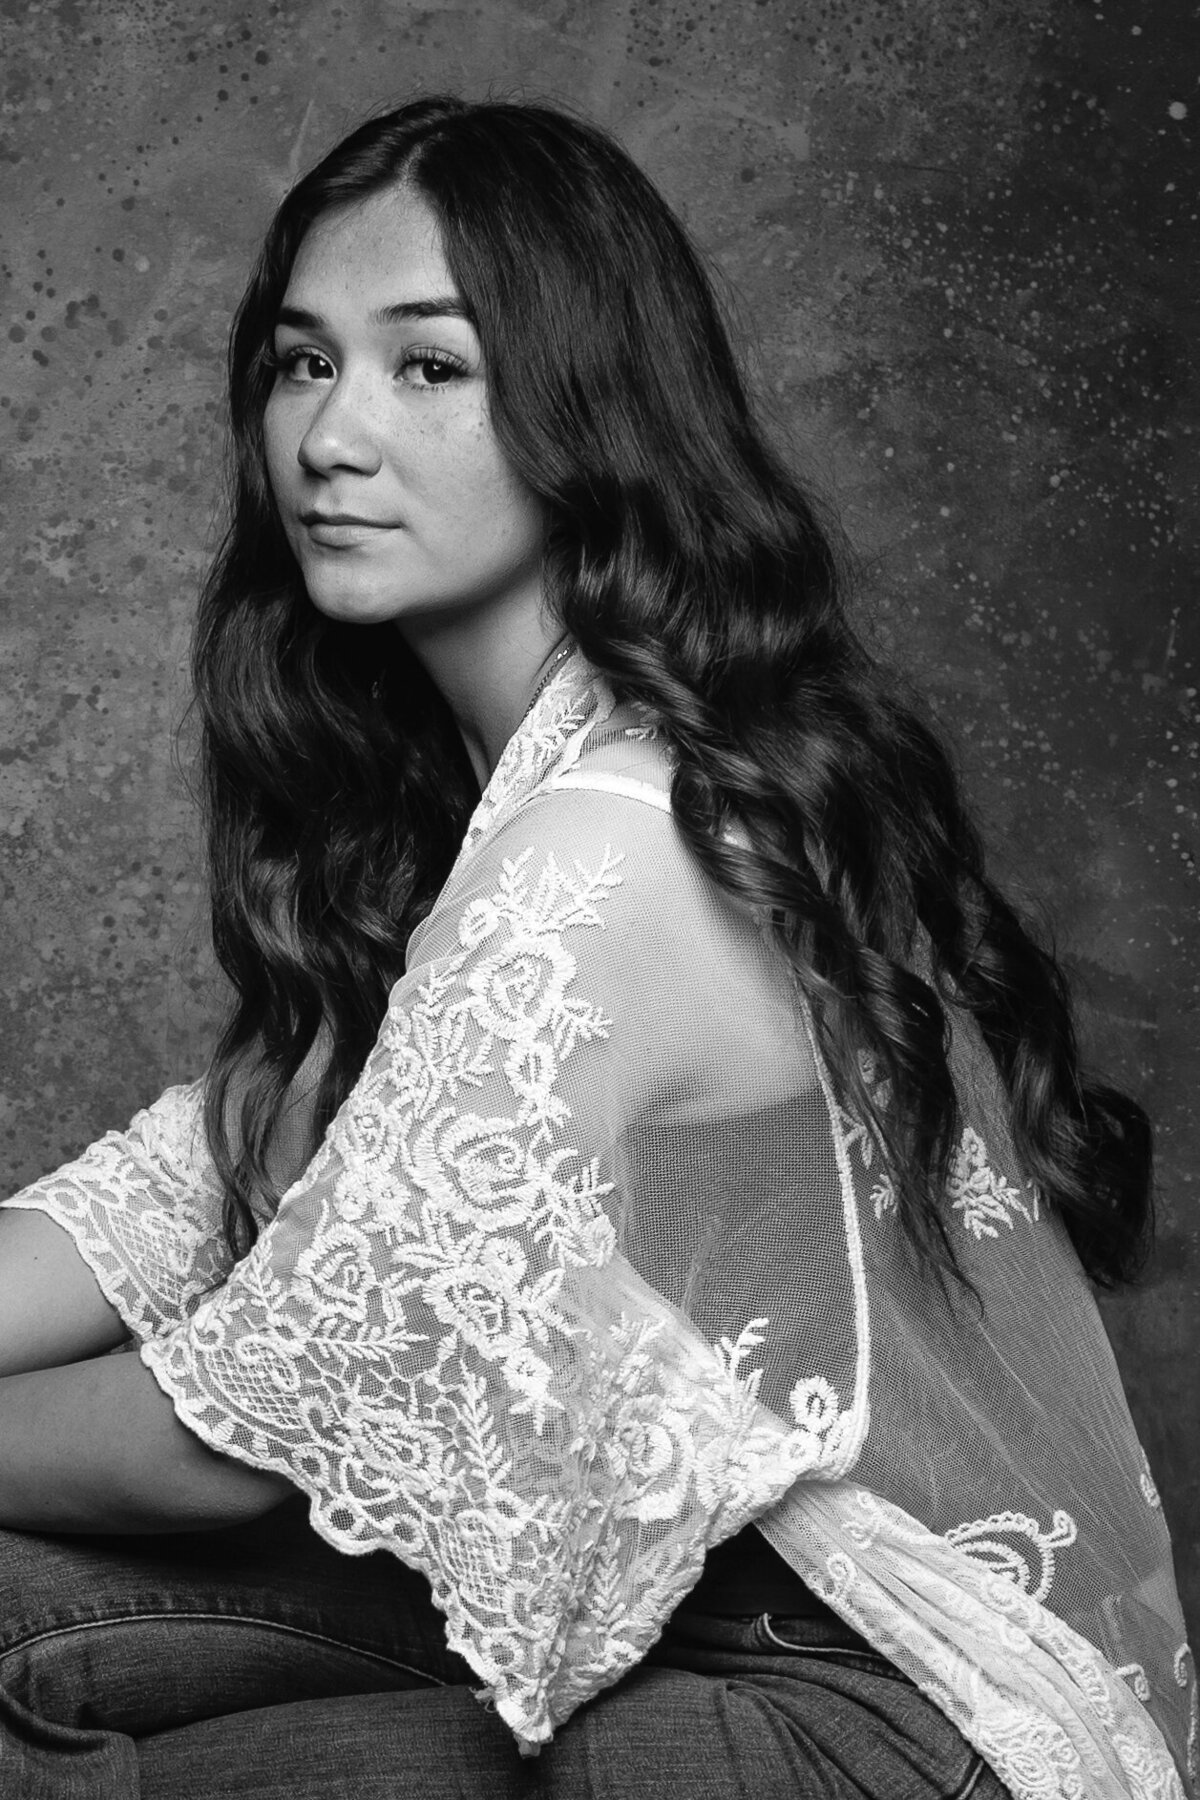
(277, 456)
(513, 511)
(527, 518)
(471, 494)
(527, 512)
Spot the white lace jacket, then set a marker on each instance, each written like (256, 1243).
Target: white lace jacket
(592, 1269)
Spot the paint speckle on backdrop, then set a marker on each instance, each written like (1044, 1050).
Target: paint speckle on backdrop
(955, 236)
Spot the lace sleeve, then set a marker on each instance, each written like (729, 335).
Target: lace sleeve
(499, 1326)
(144, 1209)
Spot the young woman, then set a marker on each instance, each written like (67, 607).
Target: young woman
(628, 1259)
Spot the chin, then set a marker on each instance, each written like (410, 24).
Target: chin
(352, 608)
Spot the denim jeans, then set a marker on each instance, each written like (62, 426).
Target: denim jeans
(259, 1663)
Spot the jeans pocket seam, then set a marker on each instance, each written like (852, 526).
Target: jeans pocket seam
(970, 1782)
(857, 1657)
(273, 1625)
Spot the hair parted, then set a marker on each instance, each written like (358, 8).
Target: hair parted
(696, 576)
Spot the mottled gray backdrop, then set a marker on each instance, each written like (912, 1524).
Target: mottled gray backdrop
(954, 236)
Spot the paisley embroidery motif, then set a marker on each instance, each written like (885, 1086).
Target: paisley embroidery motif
(980, 1644)
(1135, 1675)
(1015, 1546)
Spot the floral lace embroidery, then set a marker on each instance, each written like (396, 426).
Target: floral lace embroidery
(571, 704)
(144, 1209)
(983, 1198)
(857, 1135)
(828, 1433)
(415, 1364)
(1148, 1779)
(647, 730)
(1013, 1545)
(967, 1635)
(578, 1537)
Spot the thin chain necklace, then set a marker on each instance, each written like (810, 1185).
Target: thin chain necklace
(560, 656)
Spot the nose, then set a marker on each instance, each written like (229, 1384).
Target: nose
(340, 435)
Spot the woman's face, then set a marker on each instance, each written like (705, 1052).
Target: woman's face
(395, 495)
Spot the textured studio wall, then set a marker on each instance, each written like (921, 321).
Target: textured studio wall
(954, 235)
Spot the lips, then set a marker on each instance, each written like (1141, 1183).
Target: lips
(338, 530)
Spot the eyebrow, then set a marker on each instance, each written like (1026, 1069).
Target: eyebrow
(437, 306)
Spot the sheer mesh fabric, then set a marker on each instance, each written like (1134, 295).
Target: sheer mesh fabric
(592, 1268)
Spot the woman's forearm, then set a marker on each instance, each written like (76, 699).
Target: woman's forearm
(96, 1446)
(51, 1308)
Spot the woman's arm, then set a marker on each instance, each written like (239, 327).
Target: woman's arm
(96, 1446)
(125, 1239)
(51, 1308)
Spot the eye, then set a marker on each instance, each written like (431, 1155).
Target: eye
(423, 368)
(301, 364)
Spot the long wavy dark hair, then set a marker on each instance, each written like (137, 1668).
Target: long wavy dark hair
(695, 574)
